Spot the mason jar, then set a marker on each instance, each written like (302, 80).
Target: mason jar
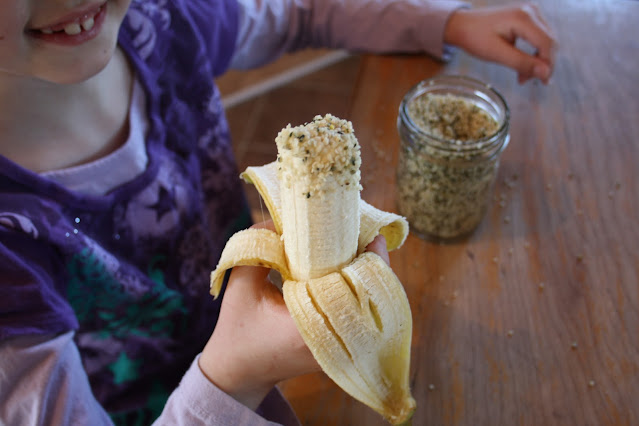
(452, 131)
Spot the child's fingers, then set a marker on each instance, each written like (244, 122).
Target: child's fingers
(522, 78)
(530, 25)
(531, 29)
(378, 246)
(526, 65)
(526, 23)
(252, 276)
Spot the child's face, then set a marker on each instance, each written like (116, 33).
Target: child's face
(60, 41)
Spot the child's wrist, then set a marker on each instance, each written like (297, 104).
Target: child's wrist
(453, 27)
(232, 378)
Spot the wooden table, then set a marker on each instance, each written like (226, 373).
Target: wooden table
(534, 320)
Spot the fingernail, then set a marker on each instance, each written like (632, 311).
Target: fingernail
(541, 72)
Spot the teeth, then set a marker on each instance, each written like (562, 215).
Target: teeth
(87, 24)
(73, 29)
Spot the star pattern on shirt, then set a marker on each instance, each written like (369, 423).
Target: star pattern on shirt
(125, 369)
(164, 204)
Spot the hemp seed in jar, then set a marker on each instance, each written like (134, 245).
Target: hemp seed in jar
(453, 130)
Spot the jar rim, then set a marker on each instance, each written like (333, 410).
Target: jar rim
(451, 81)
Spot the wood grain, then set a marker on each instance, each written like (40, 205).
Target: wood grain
(491, 344)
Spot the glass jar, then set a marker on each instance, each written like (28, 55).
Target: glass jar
(444, 183)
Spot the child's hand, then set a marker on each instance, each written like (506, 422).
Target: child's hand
(491, 33)
(256, 343)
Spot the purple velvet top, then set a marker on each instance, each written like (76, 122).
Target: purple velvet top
(129, 271)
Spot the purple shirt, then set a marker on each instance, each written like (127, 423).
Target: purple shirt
(129, 271)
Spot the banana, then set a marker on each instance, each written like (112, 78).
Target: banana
(348, 305)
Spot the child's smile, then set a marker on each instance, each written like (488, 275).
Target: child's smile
(73, 29)
(60, 41)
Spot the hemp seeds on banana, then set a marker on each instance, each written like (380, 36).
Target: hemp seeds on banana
(325, 148)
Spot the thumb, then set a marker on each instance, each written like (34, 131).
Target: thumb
(535, 69)
(541, 71)
(378, 246)
(527, 66)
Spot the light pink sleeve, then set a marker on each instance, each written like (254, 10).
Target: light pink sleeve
(197, 401)
(42, 381)
(269, 28)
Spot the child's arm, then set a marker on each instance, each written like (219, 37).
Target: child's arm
(271, 28)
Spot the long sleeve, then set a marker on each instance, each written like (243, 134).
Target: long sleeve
(270, 28)
(42, 381)
(197, 401)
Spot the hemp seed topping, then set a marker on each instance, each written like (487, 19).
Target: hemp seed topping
(452, 118)
(448, 165)
(322, 150)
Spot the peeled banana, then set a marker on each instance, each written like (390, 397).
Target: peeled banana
(349, 306)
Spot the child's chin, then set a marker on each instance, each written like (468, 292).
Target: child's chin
(78, 72)
(74, 77)
(85, 74)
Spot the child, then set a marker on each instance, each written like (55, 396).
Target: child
(118, 191)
